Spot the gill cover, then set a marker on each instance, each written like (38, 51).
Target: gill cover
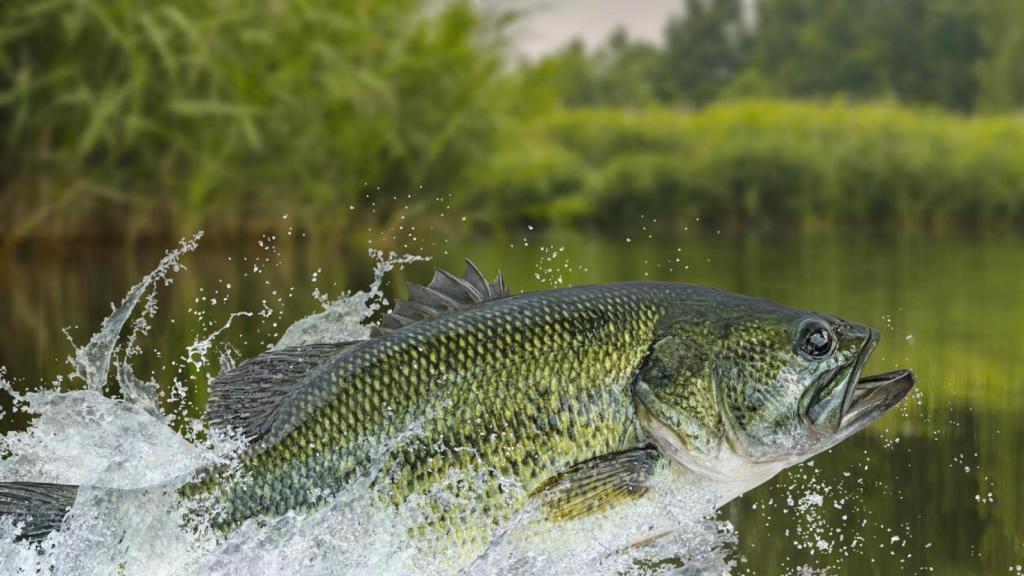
(674, 400)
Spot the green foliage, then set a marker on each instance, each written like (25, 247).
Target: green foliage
(1001, 72)
(957, 54)
(919, 50)
(216, 113)
(131, 118)
(705, 49)
(617, 74)
(769, 164)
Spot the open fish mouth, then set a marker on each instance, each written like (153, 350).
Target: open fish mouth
(872, 396)
(846, 402)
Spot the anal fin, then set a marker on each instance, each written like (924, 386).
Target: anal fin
(598, 484)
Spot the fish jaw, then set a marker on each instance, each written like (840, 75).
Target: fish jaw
(869, 399)
(855, 401)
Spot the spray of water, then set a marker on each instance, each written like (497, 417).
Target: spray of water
(130, 520)
(345, 317)
(92, 362)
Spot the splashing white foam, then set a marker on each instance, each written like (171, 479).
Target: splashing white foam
(344, 318)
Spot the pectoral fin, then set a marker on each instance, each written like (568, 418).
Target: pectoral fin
(598, 484)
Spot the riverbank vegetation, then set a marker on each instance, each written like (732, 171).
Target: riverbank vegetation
(132, 120)
(772, 164)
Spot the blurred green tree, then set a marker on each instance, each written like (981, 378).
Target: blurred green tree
(915, 50)
(1001, 71)
(706, 47)
(950, 53)
(618, 73)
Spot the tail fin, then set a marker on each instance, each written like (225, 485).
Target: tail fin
(37, 507)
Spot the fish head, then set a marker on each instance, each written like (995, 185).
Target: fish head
(793, 388)
(764, 383)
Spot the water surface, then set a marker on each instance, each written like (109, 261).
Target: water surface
(933, 487)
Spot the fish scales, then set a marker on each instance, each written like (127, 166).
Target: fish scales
(523, 387)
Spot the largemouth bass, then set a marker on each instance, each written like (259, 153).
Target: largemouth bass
(567, 398)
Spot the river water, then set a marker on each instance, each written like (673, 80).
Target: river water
(934, 487)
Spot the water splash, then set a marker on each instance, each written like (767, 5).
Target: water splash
(129, 520)
(91, 362)
(345, 317)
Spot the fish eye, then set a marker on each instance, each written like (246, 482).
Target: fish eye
(815, 340)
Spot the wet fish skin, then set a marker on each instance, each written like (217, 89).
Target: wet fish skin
(525, 386)
(566, 398)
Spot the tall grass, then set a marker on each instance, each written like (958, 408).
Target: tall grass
(126, 119)
(129, 117)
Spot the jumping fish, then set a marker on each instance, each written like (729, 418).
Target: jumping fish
(574, 395)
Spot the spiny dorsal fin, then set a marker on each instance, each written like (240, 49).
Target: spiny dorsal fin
(245, 397)
(597, 484)
(445, 293)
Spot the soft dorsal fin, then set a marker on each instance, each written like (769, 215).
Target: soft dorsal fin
(245, 397)
(36, 507)
(445, 293)
(598, 484)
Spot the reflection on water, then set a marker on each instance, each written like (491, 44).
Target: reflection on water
(933, 487)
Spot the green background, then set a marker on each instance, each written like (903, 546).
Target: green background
(859, 157)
